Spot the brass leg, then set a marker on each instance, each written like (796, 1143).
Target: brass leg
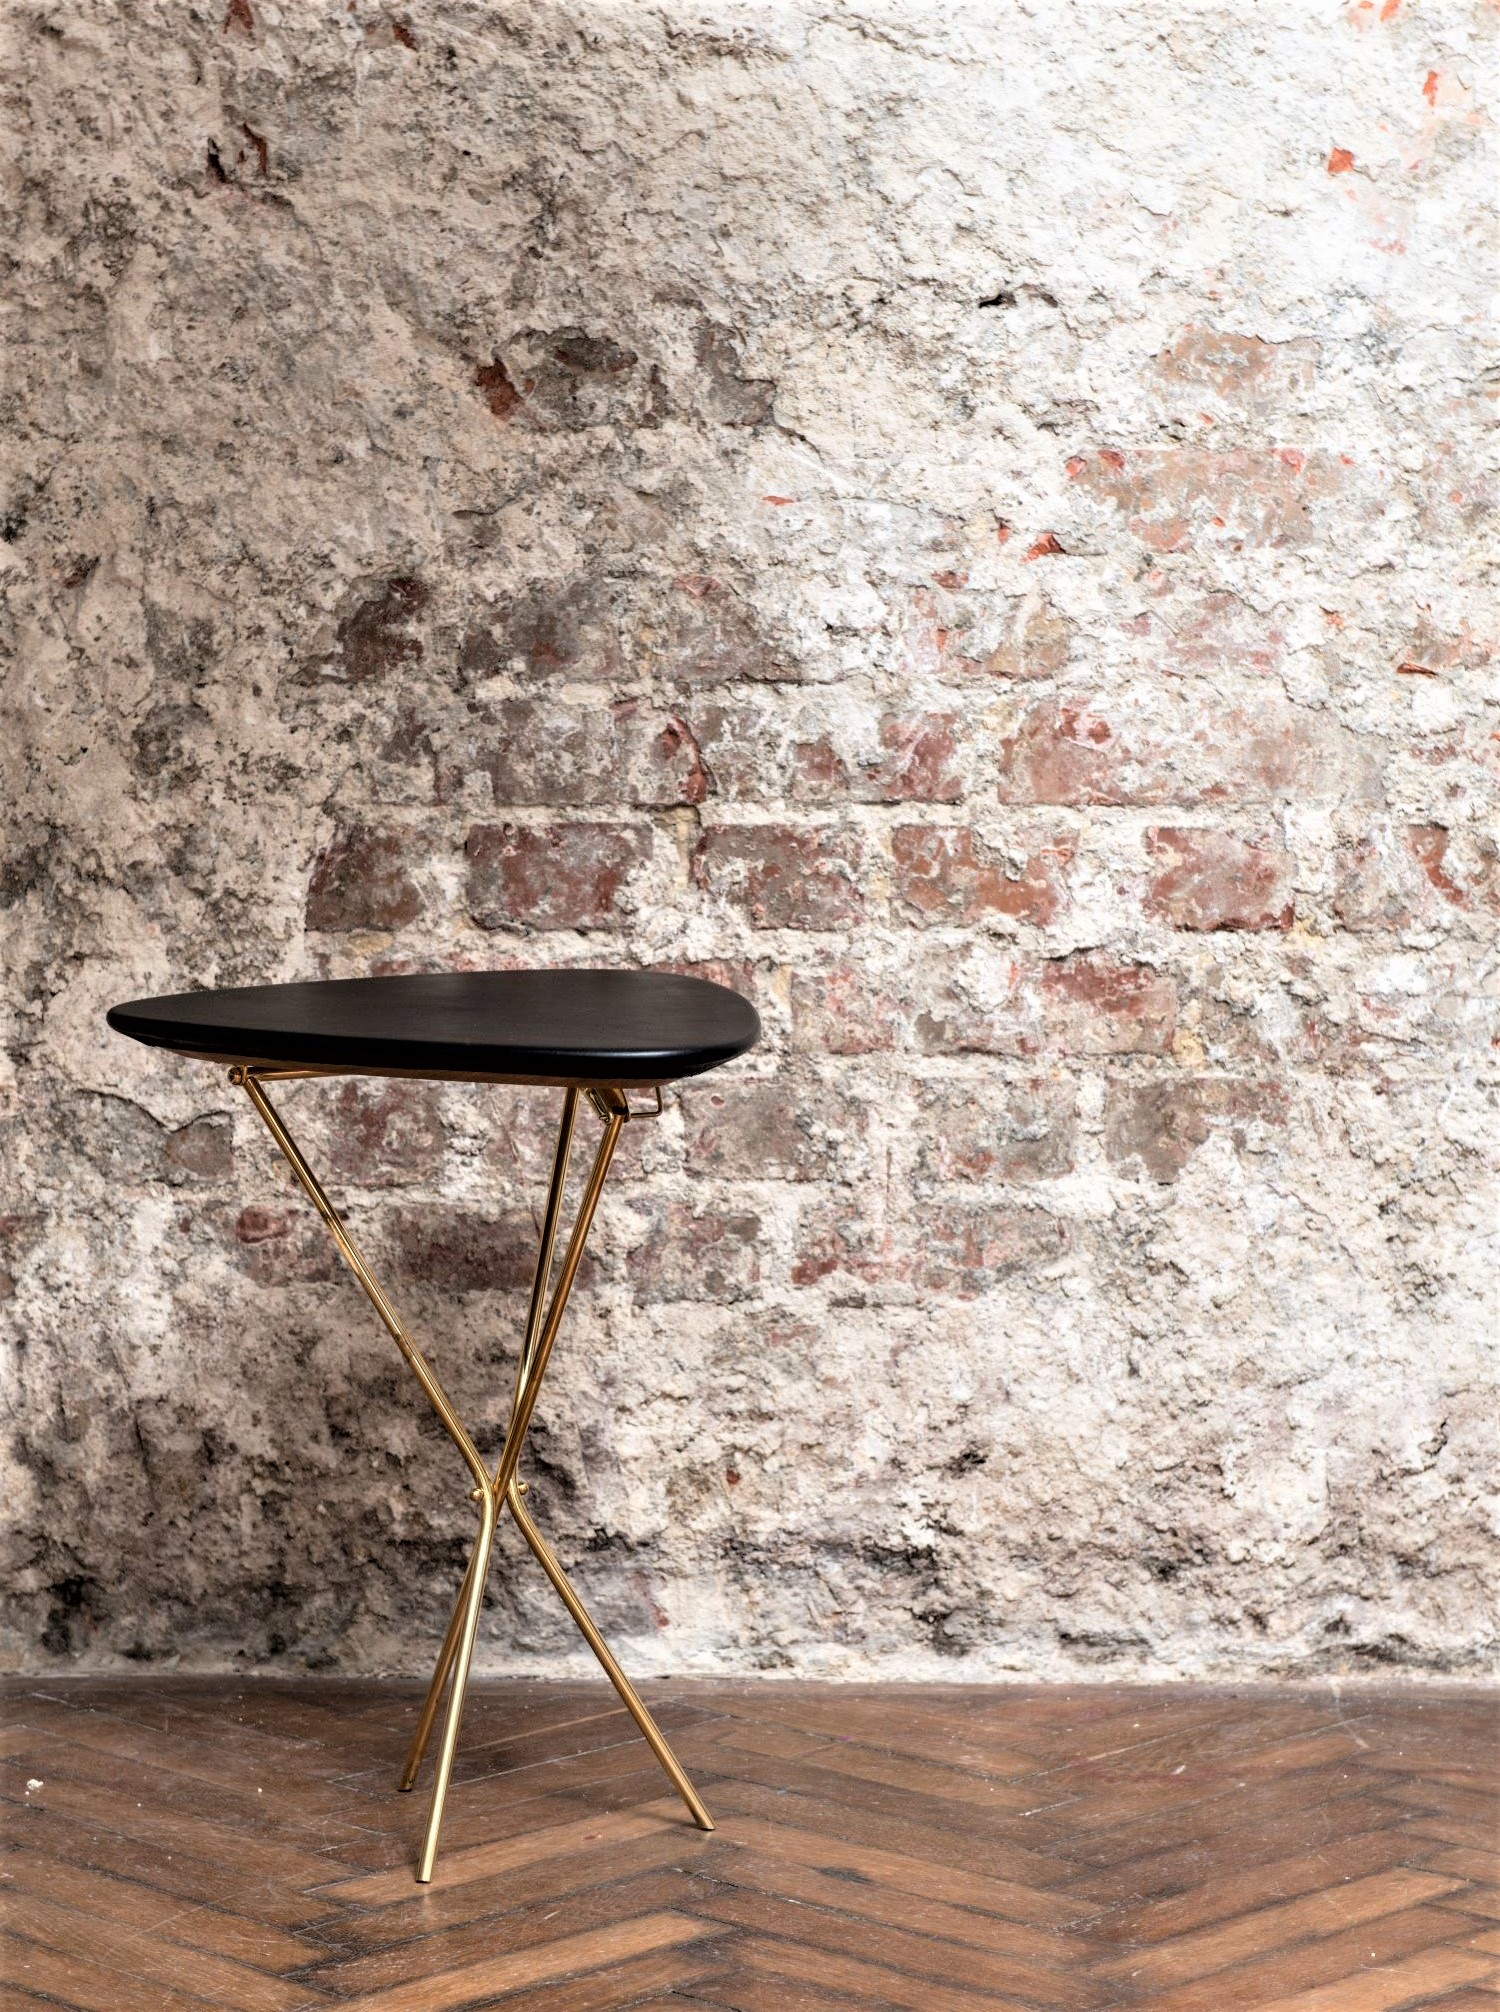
(649, 1730)
(541, 1275)
(434, 1696)
(490, 1492)
(478, 1573)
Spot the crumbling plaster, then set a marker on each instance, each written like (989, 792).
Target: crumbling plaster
(973, 523)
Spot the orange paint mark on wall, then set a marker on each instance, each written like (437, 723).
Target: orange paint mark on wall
(1340, 161)
(1430, 87)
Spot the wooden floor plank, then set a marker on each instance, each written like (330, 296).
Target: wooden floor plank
(1390, 1986)
(919, 1957)
(742, 1993)
(594, 1949)
(489, 1861)
(1483, 1901)
(74, 1981)
(905, 1874)
(1231, 1893)
(1219, 1855)
(635, 1983)
(939, 1845)
(1229, 1811)
(1463, 1863)
(862, 1983)
(556, 1879)
(104, 1897)
(131, 1816)
(141, 1953)
(503, 1934)
(1330, 1959)
(164, 1869)
(880, 1849)
(1271, 1928)
(766, 1872)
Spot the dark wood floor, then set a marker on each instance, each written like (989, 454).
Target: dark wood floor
(179, 1844)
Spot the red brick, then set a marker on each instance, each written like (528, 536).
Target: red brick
(361, 882)
(279, 1247)
(958, 1250)
(547, 752)
(704, 633)
(1173, 497)
(460, 1252)
(493, 379)
(1219, 368)
(404, 768)
(1213, 880)
(697, 1254)
(966, 1251)
(1188, 630)
(989, 1131)
(1159, 1125)
(574, 379)
(1038, 645)
(552, 632)
(842, 1010)
(960, 636)
(204, 1148)
(757, 753)
(385, 1134)
(566, 876)
(1092, 1004)
(978, 1001)
(1082, 752)
(1432, 652)
(375, 639)
(919, 761)
(728, 395)
(522, 1124)
(789, 1130)
(785, 876)
(943, 873)
(1415, 876)
(738, 973)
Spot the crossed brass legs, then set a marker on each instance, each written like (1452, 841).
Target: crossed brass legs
(502, 1489)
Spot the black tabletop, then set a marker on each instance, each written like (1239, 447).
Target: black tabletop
(602, 1027)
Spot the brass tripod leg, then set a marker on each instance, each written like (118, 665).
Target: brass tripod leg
(434, 1696)
(629, 1698)
(503, 1488)
(452, 1425)
(540, 1277)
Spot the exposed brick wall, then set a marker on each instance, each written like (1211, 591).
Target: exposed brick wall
(968, 524)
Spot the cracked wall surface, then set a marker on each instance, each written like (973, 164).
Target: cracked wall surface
(972, 525)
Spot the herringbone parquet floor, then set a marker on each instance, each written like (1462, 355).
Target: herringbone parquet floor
(178, 1844)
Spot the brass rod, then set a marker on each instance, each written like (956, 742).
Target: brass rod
(503, 1489)
(434, 1696)
(473, 1601)
(529, 1379)
(550, 1219)
(629, 1697)
(479, 1564)
(436, 1395)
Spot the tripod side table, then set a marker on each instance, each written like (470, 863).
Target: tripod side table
(597, 1036)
